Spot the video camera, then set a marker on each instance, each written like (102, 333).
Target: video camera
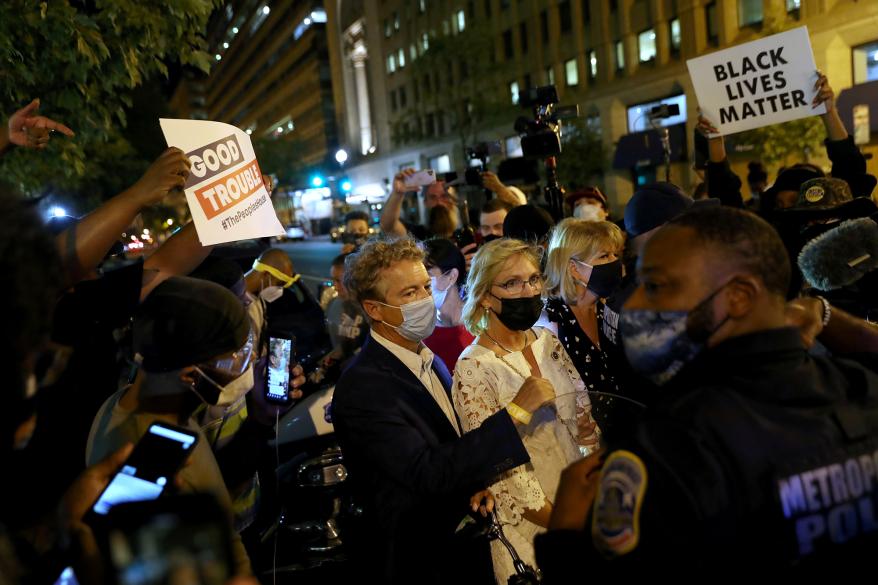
(541, 136)
(479, 152)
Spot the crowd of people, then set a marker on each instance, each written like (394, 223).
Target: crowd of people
(674, 389)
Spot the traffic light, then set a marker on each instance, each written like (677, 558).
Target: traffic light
(317, 181)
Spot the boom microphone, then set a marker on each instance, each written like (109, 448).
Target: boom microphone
(841, 256)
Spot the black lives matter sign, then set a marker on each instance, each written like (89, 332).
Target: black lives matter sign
(757, 84)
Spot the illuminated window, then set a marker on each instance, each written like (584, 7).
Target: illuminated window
(646, 42)
(571, 73)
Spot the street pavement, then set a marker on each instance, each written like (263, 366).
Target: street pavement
(312, 258)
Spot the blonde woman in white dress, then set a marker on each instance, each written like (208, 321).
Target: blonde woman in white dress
(504, 301)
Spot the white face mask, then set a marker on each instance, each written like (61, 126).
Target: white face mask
(271, 293)
(589, 212)
(418, 319)
(438, 295)
(234, 390)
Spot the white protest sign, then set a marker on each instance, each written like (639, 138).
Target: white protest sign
(757, 84)
(226, 195)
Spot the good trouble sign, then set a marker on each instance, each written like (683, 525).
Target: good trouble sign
(225, 192)
(757, 84)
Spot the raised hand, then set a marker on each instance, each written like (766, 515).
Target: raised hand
(29, 130)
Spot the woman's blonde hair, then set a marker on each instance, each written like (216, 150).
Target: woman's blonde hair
(486, 265)
(577, 239)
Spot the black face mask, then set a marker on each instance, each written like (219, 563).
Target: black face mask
(605, 278)
(519, 314)
(490, 238)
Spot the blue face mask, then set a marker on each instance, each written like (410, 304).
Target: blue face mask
(659, 343)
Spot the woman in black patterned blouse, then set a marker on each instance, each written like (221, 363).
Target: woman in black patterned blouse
(583, 268)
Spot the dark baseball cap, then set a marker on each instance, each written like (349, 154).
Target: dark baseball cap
(585, 193)
(656, 204)
(187, 321)
(829, 197)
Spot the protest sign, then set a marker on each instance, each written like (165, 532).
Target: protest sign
(225, 192)
(757, 84)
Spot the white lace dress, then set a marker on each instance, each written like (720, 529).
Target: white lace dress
(485, 383)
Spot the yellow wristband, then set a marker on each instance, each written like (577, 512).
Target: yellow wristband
(518, 413)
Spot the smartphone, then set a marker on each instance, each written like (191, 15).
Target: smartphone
(185, 538)
(153, 463)
(280, 352)
(421, 178)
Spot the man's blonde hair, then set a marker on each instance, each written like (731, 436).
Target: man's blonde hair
(577, 239)
(363, 269)
(486, 265)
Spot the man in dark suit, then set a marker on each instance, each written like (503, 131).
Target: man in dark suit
(413, 472)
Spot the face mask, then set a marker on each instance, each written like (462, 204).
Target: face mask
(519, 314)
(418, 319)
(490, 238)
(659, 343)
(589, 212)
(604, 279)
(271, 293)
(439, 295)
(231, 392)
(355, 239)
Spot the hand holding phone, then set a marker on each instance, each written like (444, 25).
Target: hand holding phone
(280, 354)
(421, 178)
(153, 463)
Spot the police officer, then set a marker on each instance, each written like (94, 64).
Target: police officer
(754, 454)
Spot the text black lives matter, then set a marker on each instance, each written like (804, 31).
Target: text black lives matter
(740, 87)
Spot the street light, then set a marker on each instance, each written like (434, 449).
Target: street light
(317, 181)
(341, 156)
(346, 186)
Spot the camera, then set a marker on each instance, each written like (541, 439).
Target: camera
(541, 136)
(480, 152)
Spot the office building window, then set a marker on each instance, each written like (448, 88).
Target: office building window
(391, 63)
(441, 163)
(749, 12)
(646, 43)
(592, 64)
(401, 58)
(593, 122)
(425, 41)
(571, 73)
(522, 34)
(866, 63)
(676, 37)
(488, 8)
(387, 30)
(461, 21)
(513, 91)
(620, 55)
(402, 97)
(413, 52)
(396, 21)
(614, 5)
(565, 15)
(508, 49)
(712, 23)
(422, 6)
(446, 28)
(440, 124)
(793, 5)
(550, 76)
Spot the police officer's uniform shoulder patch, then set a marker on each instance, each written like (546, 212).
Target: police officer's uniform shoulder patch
(615, 528)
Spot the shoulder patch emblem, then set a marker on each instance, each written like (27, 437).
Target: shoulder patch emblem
(615, 528)
(814, 194)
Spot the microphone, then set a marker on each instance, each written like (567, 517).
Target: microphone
(841, 256)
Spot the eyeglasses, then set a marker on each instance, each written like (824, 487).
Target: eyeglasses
(237, 363)
(515, 286)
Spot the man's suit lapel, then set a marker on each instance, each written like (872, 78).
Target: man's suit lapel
(379, 355)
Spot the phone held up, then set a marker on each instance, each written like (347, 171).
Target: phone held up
(280, 356)
(148, 471)
(421, 178)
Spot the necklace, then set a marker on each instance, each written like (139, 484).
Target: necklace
(501, 346)
(507, 362)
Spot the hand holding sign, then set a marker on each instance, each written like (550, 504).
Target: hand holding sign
(167, 173)
(764, 82)
(225, 189)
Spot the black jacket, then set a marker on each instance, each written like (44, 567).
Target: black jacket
(725, 447)
(412, 473)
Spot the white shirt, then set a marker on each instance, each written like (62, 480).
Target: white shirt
(421, 365)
